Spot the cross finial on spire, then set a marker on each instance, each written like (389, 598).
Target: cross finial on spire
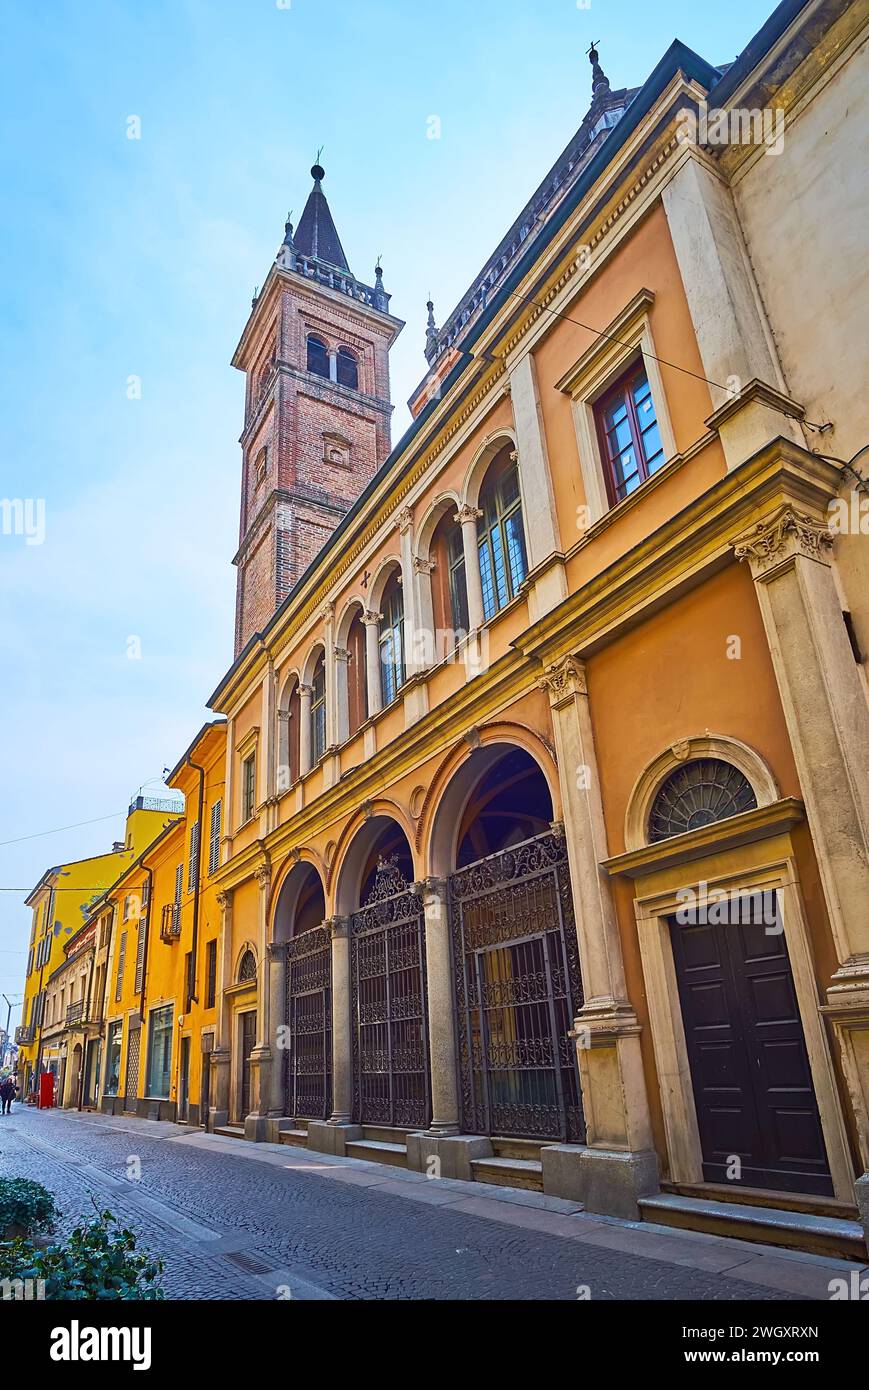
(599, 80)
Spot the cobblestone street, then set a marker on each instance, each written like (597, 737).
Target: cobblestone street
(244, 1221)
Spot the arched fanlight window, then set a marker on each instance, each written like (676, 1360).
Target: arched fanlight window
(503, 563)
(347, 369)
(318, 356)
(247, 967)
(318, 710)
(697, 794)
(392, 639)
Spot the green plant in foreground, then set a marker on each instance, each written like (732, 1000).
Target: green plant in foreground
(99, 1261)
(25, 1207)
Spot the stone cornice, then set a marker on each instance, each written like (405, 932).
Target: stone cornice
(696, 542)
(760, 824)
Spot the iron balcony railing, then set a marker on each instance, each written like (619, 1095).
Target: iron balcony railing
(170, 922)
(24, 1033)
(82, 1012)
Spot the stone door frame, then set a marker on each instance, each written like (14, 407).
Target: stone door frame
(653, 912)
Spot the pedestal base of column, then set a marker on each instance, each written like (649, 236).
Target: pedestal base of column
(446, 1155)
(608, 1181)
(861, 1192)
(274, 1126)
(325, 1137)
(256, 1128)
(217, 1119)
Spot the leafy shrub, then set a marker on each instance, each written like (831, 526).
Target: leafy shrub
(25, 1207)
(99, 1261)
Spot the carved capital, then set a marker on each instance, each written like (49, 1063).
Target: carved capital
(263, 875)
(421, 566)
(369, 616)
(404, 520)
(339, 927)
(782, 537)
(305, 692)
(367, 809)
(328, 611)
(283, 716)
(467, 514)
(224, 901)
(341, 654)
(564, 679)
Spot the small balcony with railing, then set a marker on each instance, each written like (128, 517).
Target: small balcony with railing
(170, 922)
(24, 1034)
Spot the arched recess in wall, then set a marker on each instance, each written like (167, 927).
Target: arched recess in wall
(351, 695)
(709, 749)
(289, 713)
(301, 902)
(498, 795)
(387, 599)
(441, 582)
(379, 835)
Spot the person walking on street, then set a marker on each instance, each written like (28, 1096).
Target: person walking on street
(7, 1094)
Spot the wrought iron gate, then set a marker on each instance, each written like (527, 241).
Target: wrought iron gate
(518, 987)
(309, 1014)
(131, 1083)
(388, 988)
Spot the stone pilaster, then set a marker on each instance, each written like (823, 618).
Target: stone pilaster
(371, 621)
(619, 1164)
(255, 1122)
(790, 556)
(331, 1136)
(441, 1008)
(408, 588)
(221, 1055)
(279, 1030)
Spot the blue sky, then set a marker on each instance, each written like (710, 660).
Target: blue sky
(138, 258)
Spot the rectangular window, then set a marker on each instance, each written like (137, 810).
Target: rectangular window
(159, 1052)
(193, 859)
(210, 973)
(248, 787)
(113, 1058)
(628, 431)
(214, 838)
(122, 954)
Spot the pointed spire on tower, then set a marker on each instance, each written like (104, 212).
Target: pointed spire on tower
(381, 298)
(316, 235)
(600, 85)
(431, 332)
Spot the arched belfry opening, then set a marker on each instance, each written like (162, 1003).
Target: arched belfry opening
(301, 932)
(388, 999)
(516, 974)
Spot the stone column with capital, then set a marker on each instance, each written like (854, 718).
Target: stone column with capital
(331, 1136)
(408, 588)
(467, 517)
(371, 621)
(305, 694)
(619, 1164)
(256, 1123)
(790, 553)
(221, 1055)
(342, 694)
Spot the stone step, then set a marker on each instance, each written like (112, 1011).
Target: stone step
(795, 1230)
(518, 1148)
(231, 1131)
(509, 1172)
(385, 1134)
(378, 1151)
(298, 1137)
(761, 1197)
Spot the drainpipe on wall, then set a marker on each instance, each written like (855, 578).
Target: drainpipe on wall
(150, 880)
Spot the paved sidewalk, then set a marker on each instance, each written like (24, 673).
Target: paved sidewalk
(235, 1220)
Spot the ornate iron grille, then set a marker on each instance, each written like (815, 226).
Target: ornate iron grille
(390, 1024)
(131, 1085)
(309, 1014)
(700, 793)
(518, 988)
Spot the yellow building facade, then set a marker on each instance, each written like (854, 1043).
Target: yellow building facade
(536, 808)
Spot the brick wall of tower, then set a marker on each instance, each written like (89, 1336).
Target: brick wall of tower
(309, 446)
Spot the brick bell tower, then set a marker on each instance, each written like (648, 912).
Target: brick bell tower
(315, 352)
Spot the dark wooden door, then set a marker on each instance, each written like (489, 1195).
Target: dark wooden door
(184, 1082)
(750, 1070)
(248, 1041)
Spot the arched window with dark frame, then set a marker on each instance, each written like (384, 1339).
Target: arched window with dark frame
(698, 793)
(247, 967)
(347, 369)
(318, 710)
(318, 356)
(501, 535)
(392, 638)
(448, 585)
